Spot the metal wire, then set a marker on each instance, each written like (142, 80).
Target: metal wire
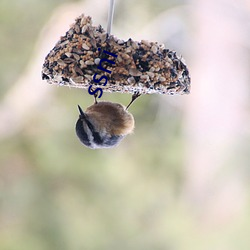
(110, 16)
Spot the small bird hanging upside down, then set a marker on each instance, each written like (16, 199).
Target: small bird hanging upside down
(104, 124)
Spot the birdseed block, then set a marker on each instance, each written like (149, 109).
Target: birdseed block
(144, 67)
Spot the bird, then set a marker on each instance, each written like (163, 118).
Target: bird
(104, 124)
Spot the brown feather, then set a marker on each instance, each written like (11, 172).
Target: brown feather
(111, 117)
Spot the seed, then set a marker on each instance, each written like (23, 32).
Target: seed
(134, 72)
(145, 42)
(78, 70)
(77, 57)
(93, 42)
(135, 45)
(128, 50)
(103, 37)
(85, 46)
(131, 80)
(69, 60)
(89, 77)
(144, 78)
(77, 29)
(126, 56)
(77, 79)
(150, 74)
(88, 62)
(84, 29)
(119, 58)
(97, 61)
(68, 54)
(154, 49)
(120, 42)
(83, 21)
(61, 62)
(71, 32)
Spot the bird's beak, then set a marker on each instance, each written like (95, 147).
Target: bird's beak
(82, 115)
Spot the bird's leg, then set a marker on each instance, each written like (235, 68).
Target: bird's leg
(134, 97)
(95, 96)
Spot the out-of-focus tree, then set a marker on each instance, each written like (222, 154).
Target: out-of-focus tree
(217, 113)
(146, 193)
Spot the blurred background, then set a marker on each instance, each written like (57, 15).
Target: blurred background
(180, 182)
